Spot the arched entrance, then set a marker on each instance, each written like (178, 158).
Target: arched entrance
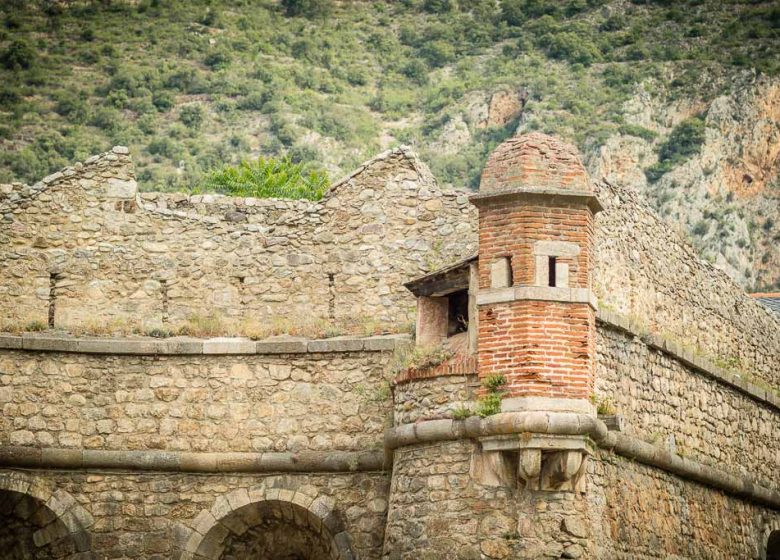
(37, 523)
(773, 546)
(272, 525)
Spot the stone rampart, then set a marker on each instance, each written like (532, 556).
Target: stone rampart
(646, 271)
(671, 405)
(84, 247)
(229, 401)
(102, 253)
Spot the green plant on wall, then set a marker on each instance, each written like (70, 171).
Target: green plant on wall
(490, 403)
(605, 405)
(462, 412)
(266, 178)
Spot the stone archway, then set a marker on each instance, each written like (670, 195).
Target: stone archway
(269, 524)
(39, 522)
(773, 545)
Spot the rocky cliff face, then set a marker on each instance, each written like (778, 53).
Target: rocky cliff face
(727, 197)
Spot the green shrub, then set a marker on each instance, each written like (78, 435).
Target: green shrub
(266, 178)
(107, 119)
(462, 412)
(191, 116)
(513, 12)
(306, 8)
(162, 100)
(19, 55)
(165, 147)
(438, 6)
(217, 60)
(572, 46)
(638, 131)
(438, 53)
(255, 101)
(393, 101)
(71, 105)
(416, 70)
(490, 403)
(35, 326)
(684, 141)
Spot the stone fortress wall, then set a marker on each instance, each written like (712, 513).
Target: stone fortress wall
(85, 239)
(237, 427)
(647, 272)
(292, 429)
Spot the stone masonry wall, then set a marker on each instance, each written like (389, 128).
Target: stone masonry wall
(85, 238)
(639, 513)
(195, 402)
(433, 398)
(709, 422)
(646, 271)
(439, 509)
(149, 516)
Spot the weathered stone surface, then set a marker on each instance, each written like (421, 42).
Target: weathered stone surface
(209, 402)
(297, 260)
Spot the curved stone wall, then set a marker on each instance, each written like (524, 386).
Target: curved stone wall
(432, 398)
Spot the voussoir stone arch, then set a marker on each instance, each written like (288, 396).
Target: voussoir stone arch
(38, 520)
(770, 545)
(258, 522)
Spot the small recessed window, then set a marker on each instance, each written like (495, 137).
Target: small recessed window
(551, 263)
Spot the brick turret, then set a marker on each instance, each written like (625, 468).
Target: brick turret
(536, 308)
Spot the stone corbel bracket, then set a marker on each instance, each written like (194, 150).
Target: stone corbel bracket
(549, 463)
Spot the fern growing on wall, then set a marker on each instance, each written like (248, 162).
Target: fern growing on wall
(266, 178)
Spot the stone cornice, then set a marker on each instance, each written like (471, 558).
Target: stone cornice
(536, 293)
(210, 346)
(561, 424)
(550, 195)
(687, 357)
(185, 461)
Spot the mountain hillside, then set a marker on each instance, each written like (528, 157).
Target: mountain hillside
(679, 98)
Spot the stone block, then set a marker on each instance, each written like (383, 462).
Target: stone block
(17, 456)
(60, 458)
(385, 342)
(500, 273)
(338, 344)
(238, 462)
(225, 345)
(10, 342)
(282, 346)
(49, 343)
(118, 188)
(182, 345)
(203, 522)
(120, 346)
(198, 462)
(270, 462)
(552, 248)
(432, 320)
(487, 297)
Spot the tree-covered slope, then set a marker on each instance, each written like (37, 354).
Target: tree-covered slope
(189, 86)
